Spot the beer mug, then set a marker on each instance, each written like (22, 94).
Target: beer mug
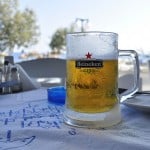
(92, 97)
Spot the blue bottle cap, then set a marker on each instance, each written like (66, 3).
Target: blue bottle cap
(56, 94)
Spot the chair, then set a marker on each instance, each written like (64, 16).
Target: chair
(47, 71)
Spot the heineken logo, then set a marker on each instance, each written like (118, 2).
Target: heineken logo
(89, 63)
(88, 55)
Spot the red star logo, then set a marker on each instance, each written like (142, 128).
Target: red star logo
(88, 55)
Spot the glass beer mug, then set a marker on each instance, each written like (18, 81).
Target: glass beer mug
(92, 98)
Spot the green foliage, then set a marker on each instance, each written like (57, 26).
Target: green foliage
(17, 29)
(58, 41)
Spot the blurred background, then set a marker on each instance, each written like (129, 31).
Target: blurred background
(35, 29)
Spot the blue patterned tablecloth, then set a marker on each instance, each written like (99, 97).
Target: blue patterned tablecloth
(29, 122)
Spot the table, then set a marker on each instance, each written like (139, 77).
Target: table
(29, 122)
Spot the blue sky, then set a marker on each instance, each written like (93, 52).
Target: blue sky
(129, 18)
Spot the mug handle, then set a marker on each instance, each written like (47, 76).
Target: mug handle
(128, 93)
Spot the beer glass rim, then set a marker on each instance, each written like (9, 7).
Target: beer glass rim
(92, 33)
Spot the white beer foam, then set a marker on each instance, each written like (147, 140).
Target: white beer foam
(98, 45)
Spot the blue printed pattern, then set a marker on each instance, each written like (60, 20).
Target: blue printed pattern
(32, 115)
(13, 143)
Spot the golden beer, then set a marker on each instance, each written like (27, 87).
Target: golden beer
(92, 89)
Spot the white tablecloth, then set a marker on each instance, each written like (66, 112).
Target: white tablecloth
(29, 122)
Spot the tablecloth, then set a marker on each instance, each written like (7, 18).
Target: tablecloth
(29, 122)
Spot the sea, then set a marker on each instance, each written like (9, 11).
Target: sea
(16, 56)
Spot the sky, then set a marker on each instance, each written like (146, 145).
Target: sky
(129, 18)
